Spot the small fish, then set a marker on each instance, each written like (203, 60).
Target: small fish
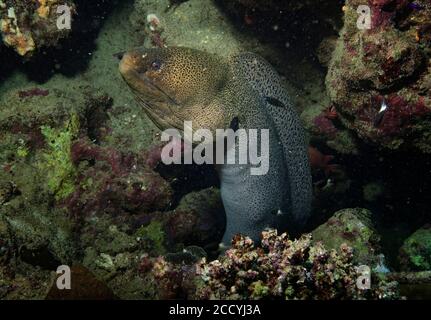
(329, 184)
(379, 117)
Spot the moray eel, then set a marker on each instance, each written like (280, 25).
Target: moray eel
(178, 84)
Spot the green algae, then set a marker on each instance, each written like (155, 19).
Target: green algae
(415, 254)
(154, 235)
(57, 162)
(22, 152)
(259, 289)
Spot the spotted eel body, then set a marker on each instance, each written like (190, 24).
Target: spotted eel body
(176, 84)
(282, 197)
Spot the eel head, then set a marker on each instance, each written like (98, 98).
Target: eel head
(177, 84)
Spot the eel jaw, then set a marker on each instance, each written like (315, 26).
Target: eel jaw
(140, 81)
(158, 112)
(157, 103)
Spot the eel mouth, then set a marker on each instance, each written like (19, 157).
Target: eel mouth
(157, 103)
(159, 112)
(156, 89)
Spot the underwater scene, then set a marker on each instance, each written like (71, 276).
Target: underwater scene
(215, 150)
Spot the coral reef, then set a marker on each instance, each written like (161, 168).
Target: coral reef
(325, 50)
(29, 25)
(110, 181)
(324, 127)
(116, 249)
(379, 77)
(69, 194)
(82, 184)
(24, 285)
(279, 269)
(36, 137)
(415, 254)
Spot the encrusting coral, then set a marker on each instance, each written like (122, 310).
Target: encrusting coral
(415, 254)
(28, 25)
(379, 75)
(278, 269)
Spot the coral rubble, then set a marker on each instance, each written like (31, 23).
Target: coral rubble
(279, 269)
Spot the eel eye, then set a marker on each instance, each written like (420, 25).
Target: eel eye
(156, 65)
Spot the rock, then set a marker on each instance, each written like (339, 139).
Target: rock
(7, 191)
(38, 173)
(415, 254)
(198, 35)
(6, 245)
(208, 209)
(33, 110)
(373, 191)
(27, 283)
(198, 219)
(387, 65)
(42, 238)
(326, 49)
(28, 25)
(354, 228)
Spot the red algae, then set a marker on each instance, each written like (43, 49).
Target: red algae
(379, 79)
(35, 92)
(325, 125)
